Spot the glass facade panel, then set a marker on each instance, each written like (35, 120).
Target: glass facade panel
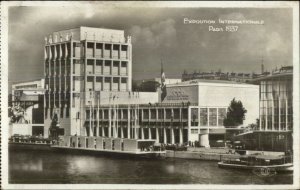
(221, 116)
(275, 103)
(203, 116)
(194, 116)
(213, 116)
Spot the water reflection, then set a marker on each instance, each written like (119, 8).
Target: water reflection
(51, 167)
(31, 165)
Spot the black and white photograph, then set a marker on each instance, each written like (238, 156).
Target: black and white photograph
(149, 95)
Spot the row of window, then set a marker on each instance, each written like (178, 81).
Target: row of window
(61, 113)
(92, 50)
(141, 114)
(59, 50)
(208, 116)
(57, 83)
(26, 86)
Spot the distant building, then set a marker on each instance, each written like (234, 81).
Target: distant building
(157, 80)
(237, 77)
(167, 80)
(26, 108)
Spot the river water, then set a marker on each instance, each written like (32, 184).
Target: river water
(49, 167)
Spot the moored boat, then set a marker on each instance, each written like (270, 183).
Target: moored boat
(109, 145)
(253, 162)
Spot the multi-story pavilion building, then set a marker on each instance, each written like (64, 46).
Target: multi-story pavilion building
(79, 61)
(276, 100)
(27, 108)
(191, 111)
(275, 126)
(276, 109)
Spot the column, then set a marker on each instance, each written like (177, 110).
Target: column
(157, 135)
(267, 113)
(180, 136)
(128, 124)
(109, 124)
(217, 117)
(122, 133)
(149, 132)
(102, 129)
(172, 136)
(165, 136)
(286, 114)
(102, 50)
(119, 73)
(97, 131)
(137, 133)
(279, 115)
(273, 119)
(142, 133)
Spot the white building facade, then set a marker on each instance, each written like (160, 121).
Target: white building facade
(78, 63)
(209, 102)
(26, 111)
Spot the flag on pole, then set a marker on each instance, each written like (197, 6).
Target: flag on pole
(163, 84)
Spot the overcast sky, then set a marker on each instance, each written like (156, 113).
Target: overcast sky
(159, 33)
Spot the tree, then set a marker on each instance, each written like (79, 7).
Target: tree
(235, 114)
(54, 129)
(149, 86)
(135, 86)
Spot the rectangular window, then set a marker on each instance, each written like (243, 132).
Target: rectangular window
(51, 113)
(194, 131)
(61, 112)
(87, 114)
(213, 116)
(90, 45)
(125, 114)
(168, 114)
(194, 116)
(115, 80)
(221, 116)
(67, 112)
(153, 114)
(105, 114)
(184, 113)
(160, 114)
(203, 116)
(146, 114)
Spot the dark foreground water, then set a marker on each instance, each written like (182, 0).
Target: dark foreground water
(47, 166)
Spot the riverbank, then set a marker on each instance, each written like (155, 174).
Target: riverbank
(213, 154)
(200, 155)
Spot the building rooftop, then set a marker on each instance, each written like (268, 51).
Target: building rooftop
(87, 33)
(282, 72)
(196, 81)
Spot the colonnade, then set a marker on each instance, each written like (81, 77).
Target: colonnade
(159, 134)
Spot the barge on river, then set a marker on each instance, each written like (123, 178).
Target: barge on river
(253, 162)
(108, 145)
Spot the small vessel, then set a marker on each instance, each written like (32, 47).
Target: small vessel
(257, 162)
(109, 145)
